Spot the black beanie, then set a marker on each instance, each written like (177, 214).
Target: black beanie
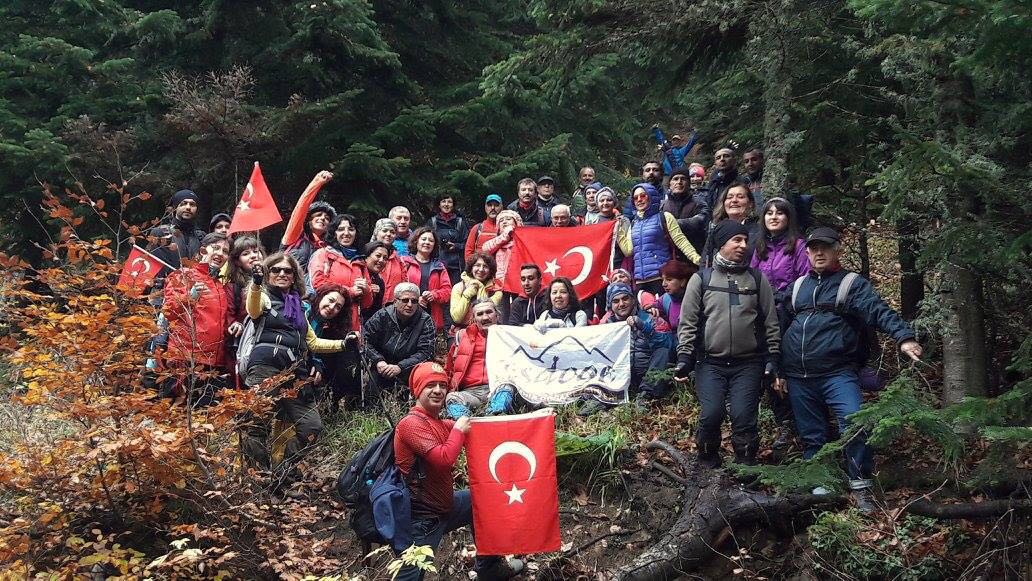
(220, 217)
(180, 196)
(726, 230)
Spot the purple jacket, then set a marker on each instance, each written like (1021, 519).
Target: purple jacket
(782, 270)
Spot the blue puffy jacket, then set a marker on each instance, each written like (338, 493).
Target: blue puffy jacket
(648, 235)
(821, 341)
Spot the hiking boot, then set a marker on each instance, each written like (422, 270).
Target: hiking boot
(590, 408)
(863, 495)
(500, 569)
(745, 455)
(457, 410)
(501, 403)
(709, 456)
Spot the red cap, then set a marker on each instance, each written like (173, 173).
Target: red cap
(424, 374)
(697, 171)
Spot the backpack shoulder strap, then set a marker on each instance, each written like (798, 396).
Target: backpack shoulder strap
(666, 301)
(761, 315)
(798, 284)
(843, 289)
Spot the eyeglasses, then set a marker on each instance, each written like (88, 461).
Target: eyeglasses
(281, 270)
(408, 301)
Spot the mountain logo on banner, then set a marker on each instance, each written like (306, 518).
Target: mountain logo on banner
(540, 357)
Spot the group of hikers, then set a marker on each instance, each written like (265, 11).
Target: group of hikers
(716, 281)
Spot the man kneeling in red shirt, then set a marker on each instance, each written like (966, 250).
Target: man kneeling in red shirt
(437, 507)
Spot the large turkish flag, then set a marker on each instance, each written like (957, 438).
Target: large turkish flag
(583, 254)
(140, 268)
(256, 208)
(512, 480)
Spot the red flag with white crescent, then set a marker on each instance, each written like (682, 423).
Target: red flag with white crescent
(583, 254)
(512, 481)
(140, 268)
(256, 208)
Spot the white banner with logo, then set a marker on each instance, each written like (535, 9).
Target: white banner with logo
(561, 365)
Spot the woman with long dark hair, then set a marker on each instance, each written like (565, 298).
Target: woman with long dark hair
(780, 254)
(375, 255)
(563, 307)
(332, 317)
(244, 253)
(338, 264)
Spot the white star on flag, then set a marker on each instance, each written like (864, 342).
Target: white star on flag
(515, 494)
(551, 267)
(243, 205)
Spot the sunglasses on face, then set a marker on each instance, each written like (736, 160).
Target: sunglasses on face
(281, 270)
(408, 301)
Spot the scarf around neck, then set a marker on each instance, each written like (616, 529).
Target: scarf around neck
(292, 309)
(720, 262)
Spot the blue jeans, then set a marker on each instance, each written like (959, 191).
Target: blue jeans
(841, 393)
(430, 531)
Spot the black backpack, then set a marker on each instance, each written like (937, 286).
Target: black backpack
(356, 481)
(357, 478)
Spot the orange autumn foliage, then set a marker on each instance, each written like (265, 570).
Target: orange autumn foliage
(108, 451)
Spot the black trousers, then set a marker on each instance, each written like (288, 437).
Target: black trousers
(739, 384)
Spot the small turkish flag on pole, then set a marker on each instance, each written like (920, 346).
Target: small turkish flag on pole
(583, 254)
(140, 268)
(256, 208)
(512, 480)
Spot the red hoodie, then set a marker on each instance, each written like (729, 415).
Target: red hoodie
(197, 329)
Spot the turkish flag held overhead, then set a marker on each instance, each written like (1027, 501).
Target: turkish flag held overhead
(140, 268)
(583, 254)
(512, 480)
(256, 208)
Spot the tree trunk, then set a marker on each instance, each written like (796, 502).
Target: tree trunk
(775, 43)
(911, 280)
(864, 235)
(712, 502)
(964, 354)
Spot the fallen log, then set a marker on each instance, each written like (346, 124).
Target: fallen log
(712, 502)
(984, 509)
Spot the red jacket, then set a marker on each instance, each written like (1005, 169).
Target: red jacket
(393, 273)
(440, 285)
(460, 356)
(479, 234)
(328, 266)
(197, 329)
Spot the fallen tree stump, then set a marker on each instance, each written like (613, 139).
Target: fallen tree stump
(712, 502)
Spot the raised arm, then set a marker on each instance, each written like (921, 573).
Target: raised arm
(296, 224)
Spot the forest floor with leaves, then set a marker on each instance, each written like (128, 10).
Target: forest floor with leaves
(614, 503)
